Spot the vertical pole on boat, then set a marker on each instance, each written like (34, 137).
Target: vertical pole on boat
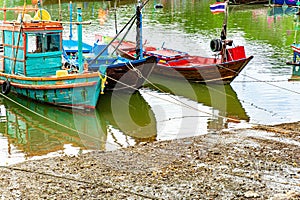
(4, 11)
(116, 26)
(139, 39)
(40, 9)
(59, 10)
(71, 10)
(79, 32)
(224, 33)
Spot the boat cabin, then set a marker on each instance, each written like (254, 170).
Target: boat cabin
(32, 49)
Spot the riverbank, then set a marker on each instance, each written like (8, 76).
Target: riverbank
(256, 163)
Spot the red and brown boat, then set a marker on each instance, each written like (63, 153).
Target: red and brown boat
(225, 66)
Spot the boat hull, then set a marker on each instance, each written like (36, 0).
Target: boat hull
(214, 73)
(129, 75)
(80, 91)
(192, 68)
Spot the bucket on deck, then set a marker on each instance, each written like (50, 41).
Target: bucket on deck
(60, 73)
(236, 53)
(45, 15)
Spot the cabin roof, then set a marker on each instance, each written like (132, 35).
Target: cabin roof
(32, 26)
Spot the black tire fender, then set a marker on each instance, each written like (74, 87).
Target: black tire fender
(5, 89)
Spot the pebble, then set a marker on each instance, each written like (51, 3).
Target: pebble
(176, 169)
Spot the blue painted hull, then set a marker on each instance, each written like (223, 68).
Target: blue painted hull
(290, 2)
(71, 46)
(278, 2)
(80, 91)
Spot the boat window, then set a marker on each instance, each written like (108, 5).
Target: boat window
(42, 42)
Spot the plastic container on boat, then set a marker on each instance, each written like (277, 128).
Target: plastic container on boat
(290, 2)
(278, 2)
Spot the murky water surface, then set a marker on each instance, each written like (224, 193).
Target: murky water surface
(261, 94)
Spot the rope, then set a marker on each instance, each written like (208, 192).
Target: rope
(120, 42)
(259, 81)
(101, 184)
(220, 66)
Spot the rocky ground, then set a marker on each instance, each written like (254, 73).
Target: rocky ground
(258, 163)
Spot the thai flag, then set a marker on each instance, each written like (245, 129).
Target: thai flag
(217, 7)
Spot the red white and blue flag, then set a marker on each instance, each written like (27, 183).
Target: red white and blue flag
(218, 7)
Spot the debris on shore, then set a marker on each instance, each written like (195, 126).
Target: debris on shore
(256, 163)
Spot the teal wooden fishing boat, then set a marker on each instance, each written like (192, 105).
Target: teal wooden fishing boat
(31, 65)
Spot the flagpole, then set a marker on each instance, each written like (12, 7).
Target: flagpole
(224, 33)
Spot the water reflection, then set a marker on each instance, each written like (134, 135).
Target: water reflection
(184, 109)
(50, 130)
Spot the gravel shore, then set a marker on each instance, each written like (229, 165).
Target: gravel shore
(257, 163)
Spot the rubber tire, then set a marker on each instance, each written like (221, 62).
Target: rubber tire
(5, 89)
(216, 45)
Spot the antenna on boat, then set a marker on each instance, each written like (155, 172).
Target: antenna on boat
(115, 14)
(224, 32)
(71, 10)
(59, 10)
(139, 39)
(297, 21)
(19, 37)
(79, 32)
(40, 8)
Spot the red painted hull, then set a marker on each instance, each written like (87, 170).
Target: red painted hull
(181, 65)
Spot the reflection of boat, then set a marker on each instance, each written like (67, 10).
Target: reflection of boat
(280, 10)
(275, 11)
(50, 129)
(31, 65)
(219, 97)
(35, 136)
(129, 113)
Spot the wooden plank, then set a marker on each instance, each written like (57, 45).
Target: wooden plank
(51, 78)
(52, 87)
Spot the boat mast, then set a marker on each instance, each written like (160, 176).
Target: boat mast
(79, 33)
(71, 10)
(59, 10)
(139, 39)
(224, 32)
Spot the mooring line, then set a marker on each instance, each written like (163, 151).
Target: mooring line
(99, 184)
(283, 88)
(251, 104)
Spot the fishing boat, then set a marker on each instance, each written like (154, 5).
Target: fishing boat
(121, 73)
(228, 62)
(296, 51)
(31, 64)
